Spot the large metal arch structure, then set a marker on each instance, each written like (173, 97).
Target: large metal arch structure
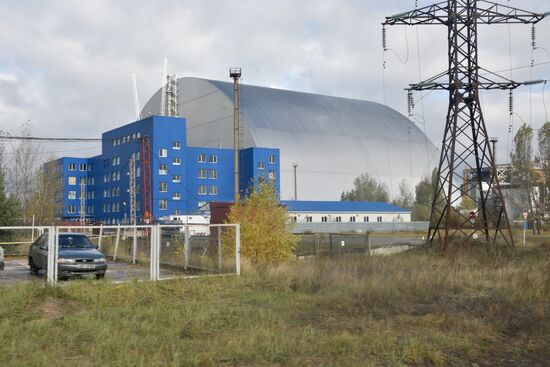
(332, 140)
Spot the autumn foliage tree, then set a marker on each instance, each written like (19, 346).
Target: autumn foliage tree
(265, 237)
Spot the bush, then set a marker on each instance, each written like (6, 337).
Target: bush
(264, 235)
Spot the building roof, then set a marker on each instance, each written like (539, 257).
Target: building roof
(332, 140)
(342, 206)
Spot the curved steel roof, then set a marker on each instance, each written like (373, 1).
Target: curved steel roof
(332, 140)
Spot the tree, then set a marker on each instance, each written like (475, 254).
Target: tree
(544, 151)
(406, 199)
(9, 207)
(26, 164)
(366, 188)
(423, 198)
(45, 201)
(264, 235)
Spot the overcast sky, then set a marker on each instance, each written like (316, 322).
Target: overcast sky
(66, 65)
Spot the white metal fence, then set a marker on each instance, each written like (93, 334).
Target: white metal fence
(152, 252)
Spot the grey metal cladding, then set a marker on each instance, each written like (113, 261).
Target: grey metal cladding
(332, 139)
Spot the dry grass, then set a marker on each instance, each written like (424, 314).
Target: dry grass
(415, 308)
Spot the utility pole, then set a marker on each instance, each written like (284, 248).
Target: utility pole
(235, 74)
(465, 140)
(295, 165)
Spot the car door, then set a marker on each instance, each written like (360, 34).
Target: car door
(33, 251)
(41, 257)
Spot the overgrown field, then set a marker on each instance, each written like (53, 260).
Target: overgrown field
(416, 308)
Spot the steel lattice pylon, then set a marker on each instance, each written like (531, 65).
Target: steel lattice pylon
(466, 144)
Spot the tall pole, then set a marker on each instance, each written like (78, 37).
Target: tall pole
(235, 74)
(295, 165)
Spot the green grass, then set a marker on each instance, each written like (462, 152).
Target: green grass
(409, 309)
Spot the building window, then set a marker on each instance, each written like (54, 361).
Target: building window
(294, 219)
(163, 153)
(366, 219)
(176, 196)
(138, 171)
(176, 161)
(272, 158)
(213, 158)
(379, 219)
(134, 136)
(202, 158)
(202, 189)
(202, 173)
(83, 167)
(72, 166)
(123, 139)
(91, 181)
(72, 180)
(213, 174)
(114, 142)
(72, 194)
(261, 165)
(72, 209)
(271, 174)
(352, 219)
(324, 219)
(163, 187)
(176, 145)
(176, 178)
(163, 169)
(309, 218)
(338, 219)
(138, 135)
(213, 190)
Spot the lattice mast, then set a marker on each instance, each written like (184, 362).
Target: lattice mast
(146, 194)
(132, 190)
(465, 139)
(82, 197)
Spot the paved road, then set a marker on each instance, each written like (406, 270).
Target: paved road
(17, 270)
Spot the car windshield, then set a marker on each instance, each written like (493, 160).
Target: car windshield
(76, 241)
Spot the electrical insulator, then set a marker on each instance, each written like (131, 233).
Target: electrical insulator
(410, 102)
(533, 37)
(511, 103)
(384, 39)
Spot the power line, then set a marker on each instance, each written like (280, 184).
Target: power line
(60, 140)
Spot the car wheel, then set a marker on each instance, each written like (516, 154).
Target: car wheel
(100, 276)
(34, 269)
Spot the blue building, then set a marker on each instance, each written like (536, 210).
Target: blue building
(183, 179)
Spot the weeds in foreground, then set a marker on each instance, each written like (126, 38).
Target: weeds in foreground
(410, 309)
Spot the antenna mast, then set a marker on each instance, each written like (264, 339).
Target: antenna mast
(136, 98)
(163, 91)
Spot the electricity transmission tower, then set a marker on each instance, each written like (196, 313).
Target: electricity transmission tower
(465, 140)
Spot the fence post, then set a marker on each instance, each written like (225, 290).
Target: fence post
(116, 242)
(52, 256)
(134, 246)
(238, 249)
(220, 249)
(152, 247)
(155, 251)
(186, 248)
(330, 243)
(100, 236)
(368, 243)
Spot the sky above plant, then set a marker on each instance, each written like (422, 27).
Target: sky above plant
(66, 66)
